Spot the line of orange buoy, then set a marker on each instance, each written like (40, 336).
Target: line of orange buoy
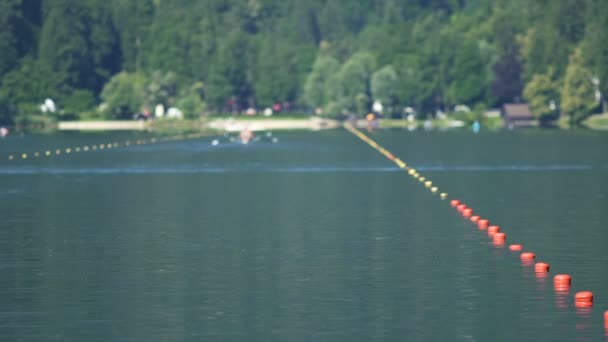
(562, 282)
(99, 147)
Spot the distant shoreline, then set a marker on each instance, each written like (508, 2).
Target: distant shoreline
(232, 124)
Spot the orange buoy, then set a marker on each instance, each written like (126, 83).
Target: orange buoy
(583, 299)
(606, 319)
(483, 223)
(527, 256)
(562, 280)
(541, 267)
(474, 218)
(454, 203)
(516, 247)
(461, 207)
(583, 305)
(564, 289)
(498, 243)
(467, 212)
(493, 230)
(498, 239)
(499, 236)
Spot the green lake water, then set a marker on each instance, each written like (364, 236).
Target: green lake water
(315, 238)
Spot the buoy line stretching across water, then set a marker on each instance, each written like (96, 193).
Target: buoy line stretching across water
(97, 147)
(561, 282)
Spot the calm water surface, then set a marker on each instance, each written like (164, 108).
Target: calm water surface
(314, 238)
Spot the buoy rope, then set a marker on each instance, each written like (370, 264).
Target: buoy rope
(50, 152)
(582, 300)
(402, 165)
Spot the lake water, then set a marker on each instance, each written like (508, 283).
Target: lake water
(315, 238)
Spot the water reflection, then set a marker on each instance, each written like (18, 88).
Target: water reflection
(527, 263)
(562, 296)
(498, 244)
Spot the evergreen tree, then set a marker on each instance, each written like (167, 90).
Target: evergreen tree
(276, 76)
(77, 40)
(132, 20)
(507, 84)
(231, 72)
(169, 46)
(9, 14)
(102, 44)
(63, 44)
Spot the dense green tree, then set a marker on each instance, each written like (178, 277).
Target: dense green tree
(7, 110)
(324, 68)
(102, 44)
(543, 94)
(506, 22)
(507, 84)
(410, 89)
(9, 14)
(469, 79)
(595, 44)
(31, 83)
(190, 101)
(231, 72)
(132, 20)
(79, 101)
(434, 60)
(161, 88)
(578, 94)
(558, 27)
(384, 85)
(171, 40)
(276, 73)
(352, 82)
(77, 41)
(124, 95)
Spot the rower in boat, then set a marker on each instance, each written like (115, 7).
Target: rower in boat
(246, 135)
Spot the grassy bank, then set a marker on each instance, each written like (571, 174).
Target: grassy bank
(597, 122)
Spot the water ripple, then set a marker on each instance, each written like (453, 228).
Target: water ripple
(259, 168)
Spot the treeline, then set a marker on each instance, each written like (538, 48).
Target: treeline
(114, 58)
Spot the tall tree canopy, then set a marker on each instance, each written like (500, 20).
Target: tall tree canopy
(336, 55)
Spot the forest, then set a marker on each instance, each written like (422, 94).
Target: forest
(111, 59)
